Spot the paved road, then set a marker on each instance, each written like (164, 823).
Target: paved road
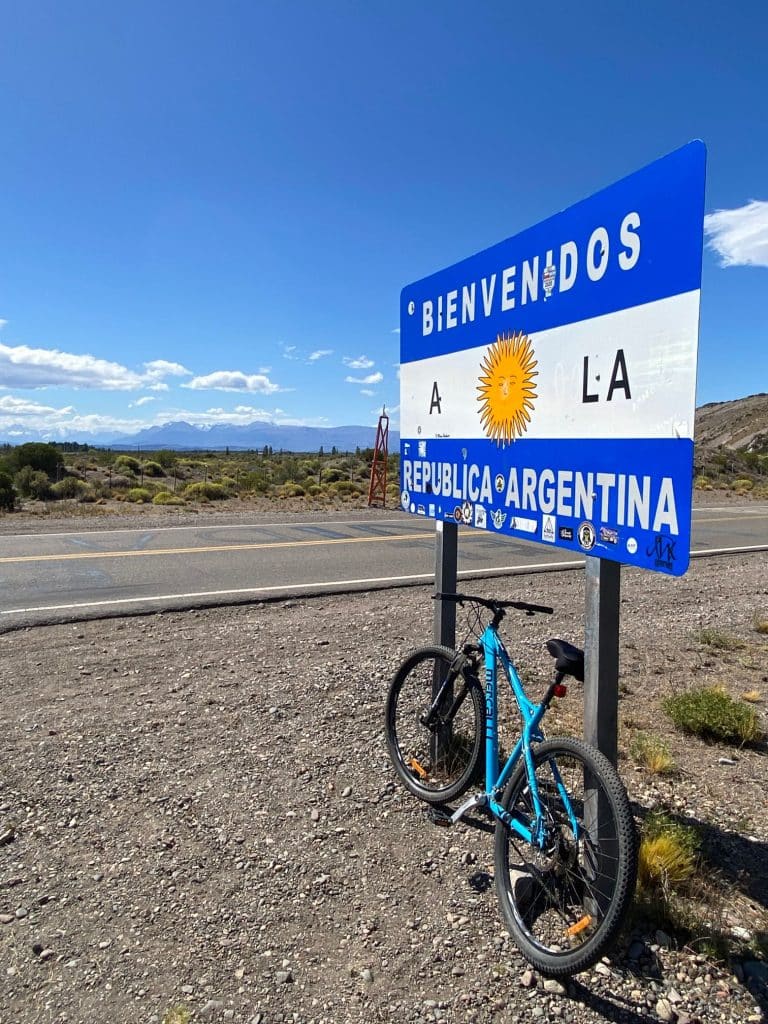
(59, 575)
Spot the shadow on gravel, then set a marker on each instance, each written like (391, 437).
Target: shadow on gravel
(616, 1009)
(739, 860)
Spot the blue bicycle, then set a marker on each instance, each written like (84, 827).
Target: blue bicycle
(565, 844)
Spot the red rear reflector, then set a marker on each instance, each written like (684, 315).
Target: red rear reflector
(560, 689)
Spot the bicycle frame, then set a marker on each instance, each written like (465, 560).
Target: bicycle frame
(494, 653)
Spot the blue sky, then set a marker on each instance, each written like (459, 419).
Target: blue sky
(208, 211)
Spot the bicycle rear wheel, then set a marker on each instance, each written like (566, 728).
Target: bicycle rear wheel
(565, 903)
(435, 750)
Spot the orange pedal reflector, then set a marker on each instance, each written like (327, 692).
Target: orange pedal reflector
(413, 763)
(585, 922)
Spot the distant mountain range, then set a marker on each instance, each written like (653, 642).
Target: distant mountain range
(740, 423)
(186, 437)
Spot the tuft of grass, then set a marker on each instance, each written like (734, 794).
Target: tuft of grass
(719, 641)
(711, 713)
(667, 857)
(752, 697)
(761, 623)
(177, 1015)
(652, 753)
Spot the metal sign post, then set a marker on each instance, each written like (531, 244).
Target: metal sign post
(446, 562)
(601, 655)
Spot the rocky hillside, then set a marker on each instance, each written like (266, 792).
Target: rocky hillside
(732, 446)
(734, 425)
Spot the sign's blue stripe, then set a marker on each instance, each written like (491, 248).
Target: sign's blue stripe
(668, 197)
(633, 495)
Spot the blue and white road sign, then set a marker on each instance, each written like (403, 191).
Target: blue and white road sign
(548, 384)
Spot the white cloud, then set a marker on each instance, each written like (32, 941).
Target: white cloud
(162, 368)
(25, 367)
(395, 330)
(740, 236)
(320, 354)
(12, 406)
(289, 351)
(22, 366)
(234, 380)
(372, 378)
(144, 400)
(361, 363)
(57, 423)
(367, 392)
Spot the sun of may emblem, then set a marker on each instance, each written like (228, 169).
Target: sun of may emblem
(507, 390)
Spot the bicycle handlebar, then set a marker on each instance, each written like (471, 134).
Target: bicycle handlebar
(494, 605)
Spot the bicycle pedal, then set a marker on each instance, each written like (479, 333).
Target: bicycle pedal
(439, 817)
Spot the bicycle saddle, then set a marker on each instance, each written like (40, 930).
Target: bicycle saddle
(569, 659)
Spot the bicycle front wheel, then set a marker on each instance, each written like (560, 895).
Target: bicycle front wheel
(565, 901)
(435, 746)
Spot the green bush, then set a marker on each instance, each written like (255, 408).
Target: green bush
(139, 495)
(291, 490)
(127, 464)
(713, 714)
(69, 487)
(254, 481)
(743, 484)
(43, 457)
(347, 488)
(205, 490)
(165, 457)
(166, 498)
(153, 469)
(32, 483)
(7, 493)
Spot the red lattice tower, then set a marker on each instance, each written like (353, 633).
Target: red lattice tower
(378, 488)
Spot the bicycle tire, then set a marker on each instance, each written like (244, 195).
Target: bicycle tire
(564, 905)
(433, 775)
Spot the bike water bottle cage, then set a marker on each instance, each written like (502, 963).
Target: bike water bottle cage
(569, 659)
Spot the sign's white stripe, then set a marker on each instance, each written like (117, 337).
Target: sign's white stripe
(651, 396)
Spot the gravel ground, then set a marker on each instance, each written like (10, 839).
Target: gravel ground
(197, 813)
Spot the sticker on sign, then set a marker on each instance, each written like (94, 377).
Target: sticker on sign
(551, 379)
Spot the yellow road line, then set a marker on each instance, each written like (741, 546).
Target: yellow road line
(77, 555)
